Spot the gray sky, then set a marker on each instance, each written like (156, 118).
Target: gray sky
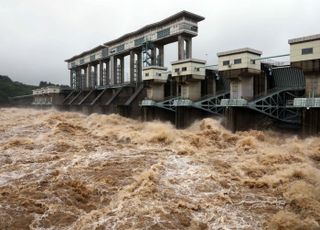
(38, 35)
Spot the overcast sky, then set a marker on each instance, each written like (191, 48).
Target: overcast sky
(36, 36)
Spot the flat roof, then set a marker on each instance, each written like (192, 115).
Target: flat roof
(85, 53)
(183, 13)
(155, 67)
(304, 39)
(237, 51)
(189, 60)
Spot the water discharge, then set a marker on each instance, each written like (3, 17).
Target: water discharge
(71, 171)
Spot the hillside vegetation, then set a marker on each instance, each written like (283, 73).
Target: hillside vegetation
(9, 88)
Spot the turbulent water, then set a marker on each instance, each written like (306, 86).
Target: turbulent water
(72, 171)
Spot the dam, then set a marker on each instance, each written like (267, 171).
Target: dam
(246, 89)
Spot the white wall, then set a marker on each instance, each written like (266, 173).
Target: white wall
(193, 68)
(295, 51)
(153, 74)
(245, 61)
(191, 91)
(156, 92)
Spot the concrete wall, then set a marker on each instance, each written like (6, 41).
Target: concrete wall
(310, 121)
(312, 84)
(241, 88)
(235, 89)
(246, 87)
(245, 61)
(191, 90)
(295, 51)
(156, 92)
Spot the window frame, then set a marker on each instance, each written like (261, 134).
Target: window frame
(237, 61)
(226, 62)
(306, 51)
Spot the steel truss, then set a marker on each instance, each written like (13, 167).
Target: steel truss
(147, 55)
(278, 105)
(212, 104)
(167, 104)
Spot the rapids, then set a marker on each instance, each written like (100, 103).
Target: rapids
(63, 170)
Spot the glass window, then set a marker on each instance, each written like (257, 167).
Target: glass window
(147, 74)
(237, 61)
(226, 62)
(184, 68)
(307, 51)
(139, 41)
(176, 70)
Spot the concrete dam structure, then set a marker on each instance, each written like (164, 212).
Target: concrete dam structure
(245, 88)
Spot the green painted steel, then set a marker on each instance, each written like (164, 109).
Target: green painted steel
(288, 77)
(139, 41)
(271, 57)
(120, 48)
(163, 33)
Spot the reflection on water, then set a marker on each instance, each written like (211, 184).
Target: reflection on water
(71, 171)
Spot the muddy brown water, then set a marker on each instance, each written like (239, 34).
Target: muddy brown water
(61, 170)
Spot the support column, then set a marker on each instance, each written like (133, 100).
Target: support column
(106, 80)
(88, 80)
(101, 73)
(94, 76)
(71, 79)
(132, 54)
(153, 55)
(84, 78)
(188, 48)
(139, 67)
(122, 70)
(161, 56)
(115, 71)
(78, 78)
(184, 52)
(112, 70)
(181, 53)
